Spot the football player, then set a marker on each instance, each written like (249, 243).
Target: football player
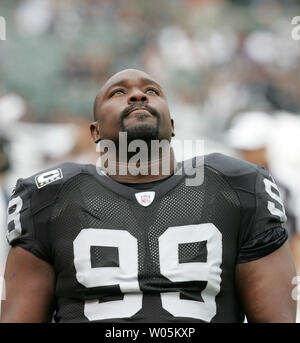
(93, 246)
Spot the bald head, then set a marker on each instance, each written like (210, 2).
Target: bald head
(127, 73)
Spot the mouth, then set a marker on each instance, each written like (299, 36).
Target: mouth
(140, 112)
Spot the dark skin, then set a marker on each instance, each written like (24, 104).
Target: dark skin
(264, 285)
(30, 284)
(121, 91)
(257, 156)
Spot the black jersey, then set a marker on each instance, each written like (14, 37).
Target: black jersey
(167, 254)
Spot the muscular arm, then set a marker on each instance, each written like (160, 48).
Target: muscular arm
(295, 248)
(265, 287)
(29, 288)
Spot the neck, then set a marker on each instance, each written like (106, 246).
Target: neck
(135, 170)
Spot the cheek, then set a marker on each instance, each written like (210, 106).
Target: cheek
(165, 118)
(165, 128)
(109, 120)
(110, 113)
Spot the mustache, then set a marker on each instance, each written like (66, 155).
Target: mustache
(137, 105)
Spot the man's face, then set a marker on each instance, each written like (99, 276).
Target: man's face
(131, 101)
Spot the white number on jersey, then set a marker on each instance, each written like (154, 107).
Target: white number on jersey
(126, 274)
(14, 216)
(269, 186)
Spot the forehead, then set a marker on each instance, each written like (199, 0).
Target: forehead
(130, 76)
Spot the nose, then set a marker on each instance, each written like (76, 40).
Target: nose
(137, 96)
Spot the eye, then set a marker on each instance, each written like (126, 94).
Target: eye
(116, 92)
(152, 91)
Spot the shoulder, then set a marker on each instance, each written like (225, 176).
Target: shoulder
(55, 175)
(231, 166)
(42, 187)
(240, 174)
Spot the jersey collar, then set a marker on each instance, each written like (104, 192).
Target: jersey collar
(130, 193)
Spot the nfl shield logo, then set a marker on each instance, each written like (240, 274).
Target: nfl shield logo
(145, 198)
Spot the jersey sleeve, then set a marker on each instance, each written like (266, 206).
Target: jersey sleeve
(31, 205)
(22, 220)
(262, 217)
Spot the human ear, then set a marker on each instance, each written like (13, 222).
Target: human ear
(94, 128)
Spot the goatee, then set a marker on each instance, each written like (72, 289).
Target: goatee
(144, 131)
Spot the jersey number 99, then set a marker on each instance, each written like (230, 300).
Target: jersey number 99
(126, 274)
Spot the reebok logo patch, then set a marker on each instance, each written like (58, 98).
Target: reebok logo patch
(46, 178)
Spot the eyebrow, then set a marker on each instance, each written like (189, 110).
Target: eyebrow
(123, 82)
(145, 80)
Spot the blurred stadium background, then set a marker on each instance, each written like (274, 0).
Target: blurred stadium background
(215, 59)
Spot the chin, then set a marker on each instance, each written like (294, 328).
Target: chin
(146, 132)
